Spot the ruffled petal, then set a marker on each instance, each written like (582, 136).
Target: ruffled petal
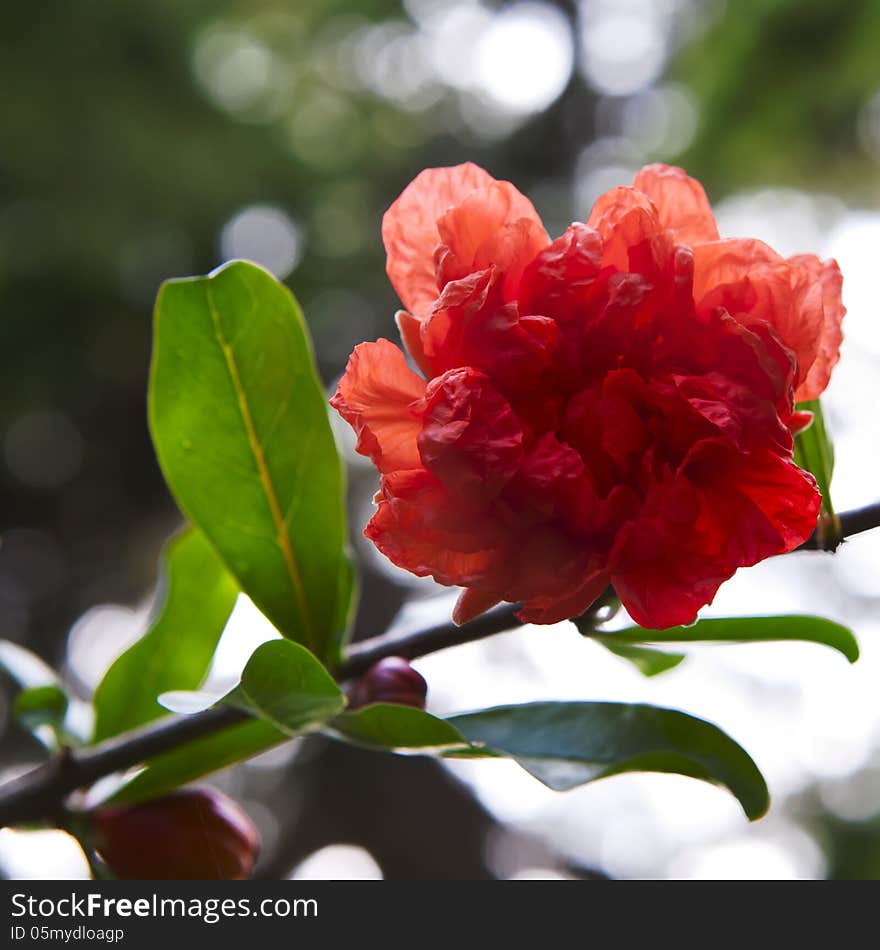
(470, 325)
(827, 275)
(557, 578)
(681, 203)
(496, 226)
(751, 281)
(471, 439)
(633, 240)
(379, 396)
(410, 329)
(561, 279)
(409, 229)
(420, 527)
(726, 510)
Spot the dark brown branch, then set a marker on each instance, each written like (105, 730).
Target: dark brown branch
(40, 793)
(828, 536)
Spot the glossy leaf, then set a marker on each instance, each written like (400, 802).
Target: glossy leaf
(647, 661)
(565, 744)
(745, 630)
(814, 451)
(397, 728)
(285, 685)
(288, 691)
(241, 429)
(177, 650)
(199, 758)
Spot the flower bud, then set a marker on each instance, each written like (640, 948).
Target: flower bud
(190, 834)
(391, 680)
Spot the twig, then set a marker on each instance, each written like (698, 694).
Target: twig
(40, 793)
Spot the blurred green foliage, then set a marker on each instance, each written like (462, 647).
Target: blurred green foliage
(780, 86)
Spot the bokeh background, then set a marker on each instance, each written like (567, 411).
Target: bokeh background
(142, 140)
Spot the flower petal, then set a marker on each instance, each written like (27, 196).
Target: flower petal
(409, 229)
(470, 439)
(726, 510)
(379, 396)
(827, 275)
(496, 226)
(469, 325)
(420, 527)
(681, 203)
(750, 280)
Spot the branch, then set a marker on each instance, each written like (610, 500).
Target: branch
(40, 793)
(828, 537)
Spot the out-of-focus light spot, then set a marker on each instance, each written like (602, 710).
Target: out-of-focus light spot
(853, 243)
(454, 32)
(393, 60)
(790, 221)
(790, 856)
(857, 564)
(622, 52)
(42, 856)
(265, 235)
(245, 630)
(660, 121)
(540, 874)
(234, 68)
(43, 449)
(869, 127)
(525, 56)
(603, 165)
(483, 120)
(853, 798)
(99, 636)
(338, 862)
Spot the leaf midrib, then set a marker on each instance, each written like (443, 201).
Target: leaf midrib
(262, 470)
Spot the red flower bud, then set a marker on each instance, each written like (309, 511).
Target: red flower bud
(191, 834)
(391, 680)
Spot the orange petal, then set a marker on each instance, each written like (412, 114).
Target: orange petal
(494, 225)
(681, 203)
(410, 328)
(749, 279)
(625, 219)
(827, 275)
(409, 228)
(376, 396)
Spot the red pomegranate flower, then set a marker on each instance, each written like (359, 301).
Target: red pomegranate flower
(615, 406)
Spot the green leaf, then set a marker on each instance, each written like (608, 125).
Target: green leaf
(397, 728)
(197, 759)
(647, 661)
(177, 650)
(285, 685)
(744, 630)
(570, 743)
(814, 451)
(41, 710)
(241, 429)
